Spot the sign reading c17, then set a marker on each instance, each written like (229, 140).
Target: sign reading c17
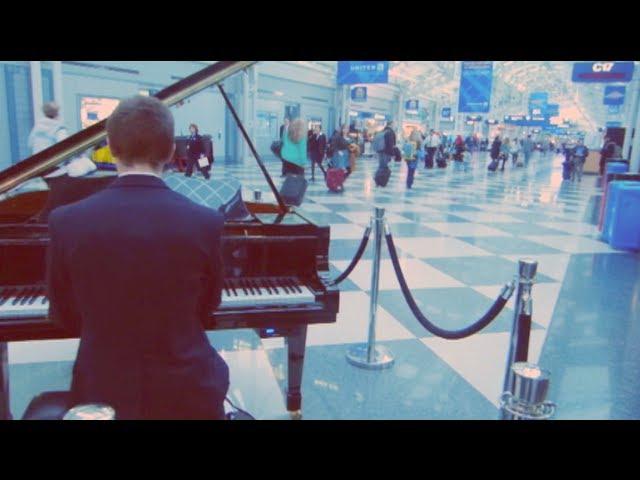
(602, 72)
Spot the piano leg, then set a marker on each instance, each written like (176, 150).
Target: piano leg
(5, 411)
(296, 342)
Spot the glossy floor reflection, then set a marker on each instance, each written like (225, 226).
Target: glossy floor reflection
(460, 232)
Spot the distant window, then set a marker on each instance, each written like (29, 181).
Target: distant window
(96, 109)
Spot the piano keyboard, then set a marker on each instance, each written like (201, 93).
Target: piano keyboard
(31, 301)
(256, 292)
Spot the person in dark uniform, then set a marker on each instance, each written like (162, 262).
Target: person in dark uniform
(195, 150)
(136, 270)
(317, 148)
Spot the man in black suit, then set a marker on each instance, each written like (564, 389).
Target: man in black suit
(196, 150)
(317, 148)
(135, 269)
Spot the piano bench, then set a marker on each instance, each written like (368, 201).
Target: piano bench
(48, 406)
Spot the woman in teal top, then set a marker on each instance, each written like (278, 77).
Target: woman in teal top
(294, 148)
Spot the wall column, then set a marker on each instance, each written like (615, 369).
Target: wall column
(631, 116)
(36, 89)
(634, 160)
(57, 86)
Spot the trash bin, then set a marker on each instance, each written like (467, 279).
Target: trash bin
(624, 228)
(617, 167)
(612, 202)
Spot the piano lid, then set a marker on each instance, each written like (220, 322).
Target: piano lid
(46, 161)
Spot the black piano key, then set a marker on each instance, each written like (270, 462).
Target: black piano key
(232, 286)
(247, 282)
(27, 295)
(274, 286)
(6, 294)
(265, 285)
(18, 296)
(225, 286)
(283, 284)
(33, 297)
(295, 285)
(255, 285)
(291, 286)
(243, 287)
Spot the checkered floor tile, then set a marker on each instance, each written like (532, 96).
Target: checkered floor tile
(460, 232)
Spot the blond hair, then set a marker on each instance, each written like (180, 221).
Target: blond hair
(296, 130)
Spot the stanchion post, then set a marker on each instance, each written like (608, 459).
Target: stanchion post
(525, 384)
(519, 341)
(370, 355)
(527, 400)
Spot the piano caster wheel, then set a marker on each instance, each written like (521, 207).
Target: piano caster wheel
(296, 415)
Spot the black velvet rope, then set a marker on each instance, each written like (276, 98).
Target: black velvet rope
(361, 248)
(485, 320)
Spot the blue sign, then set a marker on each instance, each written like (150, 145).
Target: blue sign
(350, 73)
(411, 105)
(359, 94)
(602, 72)
(613, 124)
(446, 112)
(475, 87)
(538, 103)
(613, 109)
(614, 94)
(552, 110)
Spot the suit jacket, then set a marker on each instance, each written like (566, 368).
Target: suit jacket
(195, 147)
(321, 146)
(135, 269)
(389, 141)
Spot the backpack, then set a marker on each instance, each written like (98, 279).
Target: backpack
(408, 150)
(378, 142)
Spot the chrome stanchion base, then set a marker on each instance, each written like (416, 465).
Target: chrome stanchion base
(382, 357)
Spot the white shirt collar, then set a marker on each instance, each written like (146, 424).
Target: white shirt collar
(123, 174)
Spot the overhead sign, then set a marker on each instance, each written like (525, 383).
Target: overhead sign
(353, 72)
(513, 118)
(614, 94)
(552, 110)
(359, 94)
(412, 105)
(491, 122)
(613, 124)
(446, 112)
(538, 101)
(475, 87)
(603, 72)
(474, 118)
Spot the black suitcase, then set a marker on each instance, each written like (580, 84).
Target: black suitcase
(493, 166)
(441, 162)
(382, 176)
(293, 189)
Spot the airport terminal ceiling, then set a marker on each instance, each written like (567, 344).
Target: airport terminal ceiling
(513, 82)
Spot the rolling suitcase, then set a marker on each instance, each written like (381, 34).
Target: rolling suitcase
(293, 189)
(382, 176)
(493, 166)
(335, 179)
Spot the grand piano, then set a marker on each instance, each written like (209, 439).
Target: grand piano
(267, 288)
